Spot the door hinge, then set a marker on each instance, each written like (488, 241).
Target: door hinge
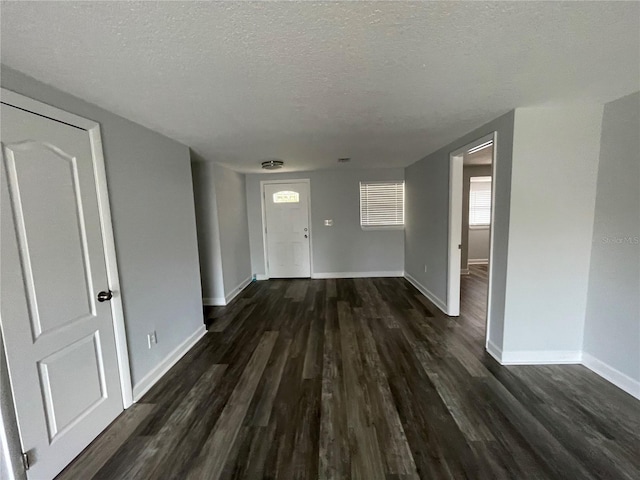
(26, 462)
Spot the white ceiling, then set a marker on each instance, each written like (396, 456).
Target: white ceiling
(481, 157)
(307, 82)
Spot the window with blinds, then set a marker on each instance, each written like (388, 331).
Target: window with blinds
(381, 204)
(480, 201)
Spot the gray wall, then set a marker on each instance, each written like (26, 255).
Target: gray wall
(427, 217)
(475, 244)
(208, 232)
(223, 233)
(345, 247)
(231, 200)
(612, 327)
(479, 244)
(553, 189)
(151, 194)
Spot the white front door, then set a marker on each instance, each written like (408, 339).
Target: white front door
(59, 338)
(287, 229)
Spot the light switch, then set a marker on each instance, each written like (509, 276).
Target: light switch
(328, 223)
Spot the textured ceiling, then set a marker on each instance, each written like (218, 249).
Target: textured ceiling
(382, 83)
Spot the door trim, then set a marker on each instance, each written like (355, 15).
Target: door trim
(104, 211)
(264, 221)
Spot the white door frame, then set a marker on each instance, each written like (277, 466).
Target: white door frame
(455, 226)
(264, 222)
(104, 210)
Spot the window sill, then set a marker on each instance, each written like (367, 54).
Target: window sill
(382, 227)
(479, 227)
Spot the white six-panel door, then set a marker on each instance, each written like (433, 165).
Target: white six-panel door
(59, 338)
(287, 229)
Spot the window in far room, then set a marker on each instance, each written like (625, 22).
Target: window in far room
(381, 205)
(480, 201)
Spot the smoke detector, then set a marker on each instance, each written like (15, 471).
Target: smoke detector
(272, 164)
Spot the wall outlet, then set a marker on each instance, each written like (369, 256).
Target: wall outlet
(425, 268)
(152, 339)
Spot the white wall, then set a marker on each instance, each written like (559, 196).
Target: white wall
(345, 247)
(612, 326)
(151, 194)
(427, 217)
(553, 190)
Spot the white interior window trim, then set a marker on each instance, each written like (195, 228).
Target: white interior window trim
(480, 202)
(382, 205)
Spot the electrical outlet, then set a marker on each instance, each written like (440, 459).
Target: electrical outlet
(152, 339)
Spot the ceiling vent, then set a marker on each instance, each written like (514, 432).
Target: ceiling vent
(344, 160)
(272, 164)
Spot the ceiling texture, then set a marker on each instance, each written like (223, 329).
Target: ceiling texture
(384, 83)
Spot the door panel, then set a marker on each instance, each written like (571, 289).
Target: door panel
(58, 292)
(288, 233)
(84, 359)
(59, 340)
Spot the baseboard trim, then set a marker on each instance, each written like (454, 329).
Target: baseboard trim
(214, 301)
(541, 357)
(425, 291)
(494, 351)
(611, 374)
(234, 293)
(222, 301)
(151, 378)
(261, 276)
(356, 275)
(480, 261)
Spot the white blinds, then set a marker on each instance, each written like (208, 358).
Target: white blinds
(480, 201)
(381, 204)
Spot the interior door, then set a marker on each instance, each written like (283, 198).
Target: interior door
(59, 337)
(287, 229)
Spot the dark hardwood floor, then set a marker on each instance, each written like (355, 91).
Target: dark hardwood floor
(364, 379)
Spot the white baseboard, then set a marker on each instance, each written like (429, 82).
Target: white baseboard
(613, 375)
(425, 291)
(356, 274)
(464, 271)
(222, 301)
(261, 276)
(234, 293)
(478, 261)
(151, 378)
(541, 357)
(494, 351)
(214, 301)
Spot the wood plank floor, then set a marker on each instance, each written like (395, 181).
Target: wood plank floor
(364, 379)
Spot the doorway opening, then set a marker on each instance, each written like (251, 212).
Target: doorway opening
(471, 213)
